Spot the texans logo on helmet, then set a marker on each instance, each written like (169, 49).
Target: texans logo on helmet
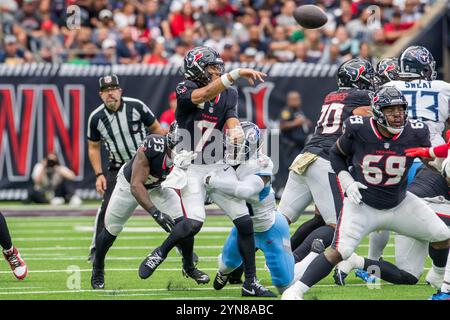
(389, 68)
(192, 57)
(375, 99)
(354, 74)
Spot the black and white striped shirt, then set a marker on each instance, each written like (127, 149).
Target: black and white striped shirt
(122, 131)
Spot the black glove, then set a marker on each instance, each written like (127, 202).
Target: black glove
(165, 221)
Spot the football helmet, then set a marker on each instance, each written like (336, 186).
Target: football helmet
(416, 62)
(243, 146)
(357, 73)
(387, 70)
(196, 61)
(387, 97)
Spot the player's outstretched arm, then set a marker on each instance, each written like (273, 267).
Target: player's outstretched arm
(213, 89)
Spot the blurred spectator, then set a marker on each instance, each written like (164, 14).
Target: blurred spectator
(181, 18)
(128, 50)
(51, 43)
(177, 58)
(315, 45)
(411, 13)
(126, 16)
(280, 46)
(52, 183)
(255, 41)
(286, 17)
(168, 116)
(396, 28)
(348, 47)
(332, 54)
(217, 39)
(158, 53)
(359, 28)
(365, 52)
(13, 55)
(211, 19)
(108, 55)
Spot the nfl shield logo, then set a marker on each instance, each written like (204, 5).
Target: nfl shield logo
(108, 79)
(211, 110)
(135, 127)
(386, 145)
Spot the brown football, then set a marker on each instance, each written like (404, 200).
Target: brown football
(310, 16)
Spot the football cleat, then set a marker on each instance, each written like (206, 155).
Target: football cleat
(365, 276)
(236, 274)
(339, 277)
(434, 279)
(150, 263)
(18, 266)
(98, 279)
(199, 276)
(292, 293)
(220, 280)
(317, 246)
(255, 289)
(440, 296)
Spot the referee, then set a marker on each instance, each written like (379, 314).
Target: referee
(121, 123)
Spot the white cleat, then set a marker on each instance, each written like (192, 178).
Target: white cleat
(292, 293)
(434, 279)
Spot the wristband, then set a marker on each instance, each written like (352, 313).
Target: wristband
(153, 211)
(99, 174)
(234, 74)
(226, 83)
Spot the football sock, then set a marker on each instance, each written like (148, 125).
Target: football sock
(446, 284)
(183, 230)
(319, 268)
(439, 256)
(377, 242)
(5, 238)
(326, 233)
(246, 246)
(388, 272)
(103, 242)
(301, 266)
(305, 229)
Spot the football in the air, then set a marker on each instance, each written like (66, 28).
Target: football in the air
(310, 16)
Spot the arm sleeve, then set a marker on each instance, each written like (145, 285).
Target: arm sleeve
(92, 132)
(244, 189)
(184, 92)
(232, 104)
(147, 116)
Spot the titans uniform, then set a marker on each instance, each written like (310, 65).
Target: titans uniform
(123, 203)
(316, 179)
(200, 128)
(432, 188)
(380, 164)
(271, 228)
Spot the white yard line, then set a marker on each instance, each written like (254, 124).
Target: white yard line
(90, 238)
(56, 248)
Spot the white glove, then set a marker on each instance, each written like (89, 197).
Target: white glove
(184, 158)
(351, 187)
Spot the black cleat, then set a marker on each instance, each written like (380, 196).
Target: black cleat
(98, 279)
(236, 274)
(199, 276)
(150, 263)
(317, 246)
(220, 280)
(339, 277)
(254, 289)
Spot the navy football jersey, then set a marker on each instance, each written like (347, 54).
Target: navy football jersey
(200, 120)
(154, 147)
(378, 162)
(337, 107)
(429, 183)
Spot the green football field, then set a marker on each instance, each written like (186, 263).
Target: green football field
(55, 249)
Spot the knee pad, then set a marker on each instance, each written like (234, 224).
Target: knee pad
(408, 278)
(114, 229)
(244, 225)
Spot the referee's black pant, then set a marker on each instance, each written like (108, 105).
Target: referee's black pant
(111, 178)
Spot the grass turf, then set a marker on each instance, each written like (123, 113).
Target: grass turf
(56, 248)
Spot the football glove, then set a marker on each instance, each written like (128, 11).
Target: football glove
(418, 152)
(184, 159)
(353, 193)
(165, 221)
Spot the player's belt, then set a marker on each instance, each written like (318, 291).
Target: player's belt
(302, 162)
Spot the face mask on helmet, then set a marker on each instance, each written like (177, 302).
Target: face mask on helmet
(242, 143)
(382, 103)
(417, 62)
(173, 136)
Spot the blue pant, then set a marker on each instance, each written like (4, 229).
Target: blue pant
(274, 243)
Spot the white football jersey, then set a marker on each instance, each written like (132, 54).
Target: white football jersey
(262, 207)
(428, 101)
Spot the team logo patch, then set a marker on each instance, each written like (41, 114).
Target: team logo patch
(354, 73)
(192, 57)
(422, 56)
(181, 89)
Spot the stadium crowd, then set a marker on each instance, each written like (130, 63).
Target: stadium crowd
(161, 32)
